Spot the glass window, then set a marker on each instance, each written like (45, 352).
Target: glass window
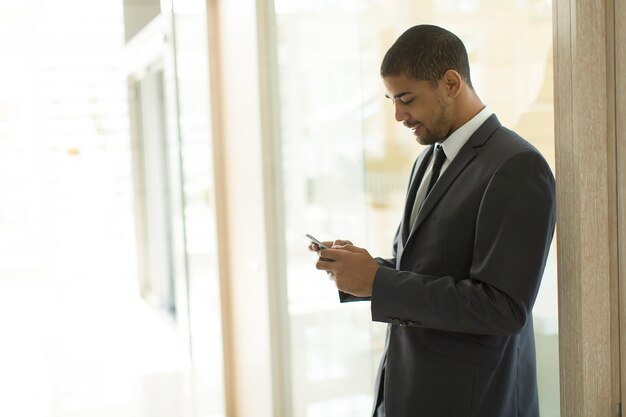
(198, 207)
(79, 339)
(346, 163)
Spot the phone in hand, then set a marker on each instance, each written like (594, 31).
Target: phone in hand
(317, 242)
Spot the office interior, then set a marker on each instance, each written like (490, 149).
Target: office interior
(160, 165)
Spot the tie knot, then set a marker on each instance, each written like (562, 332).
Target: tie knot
(439, 151)
(440, 156)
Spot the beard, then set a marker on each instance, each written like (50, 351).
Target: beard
(440, 128)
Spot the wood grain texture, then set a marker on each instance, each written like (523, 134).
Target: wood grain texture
(612, 41)
(586, 214)
(620, 153)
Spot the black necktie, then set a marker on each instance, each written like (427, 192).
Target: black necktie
(440, 157)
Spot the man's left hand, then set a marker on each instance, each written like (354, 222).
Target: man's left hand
(352, 268)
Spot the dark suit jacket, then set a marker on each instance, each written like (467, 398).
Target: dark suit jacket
(459, 292)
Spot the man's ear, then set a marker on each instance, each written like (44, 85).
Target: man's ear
(453, 82)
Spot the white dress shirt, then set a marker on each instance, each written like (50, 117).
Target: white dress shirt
(451, 147)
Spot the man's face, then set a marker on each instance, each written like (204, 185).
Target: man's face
(421, 107)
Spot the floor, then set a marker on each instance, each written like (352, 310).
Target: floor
(91, 347)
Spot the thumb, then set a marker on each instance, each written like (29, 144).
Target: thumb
(350, 248)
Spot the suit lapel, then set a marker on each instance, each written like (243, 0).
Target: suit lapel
(456, 167)
(421, 163)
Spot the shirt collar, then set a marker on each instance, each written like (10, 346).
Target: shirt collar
(453, 143)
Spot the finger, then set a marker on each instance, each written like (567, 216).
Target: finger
(350, 248)
(323, 265)
(339, 253)
(329, 254)
(313, 247)
(340, 242)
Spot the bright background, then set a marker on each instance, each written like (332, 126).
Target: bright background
(109, 297)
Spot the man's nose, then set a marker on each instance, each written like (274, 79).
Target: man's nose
(401, 114)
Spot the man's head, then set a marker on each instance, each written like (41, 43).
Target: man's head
(426, 52)
(426, 73)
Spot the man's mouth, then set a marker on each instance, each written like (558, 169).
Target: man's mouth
(413, 126)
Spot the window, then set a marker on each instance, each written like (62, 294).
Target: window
(346, 163)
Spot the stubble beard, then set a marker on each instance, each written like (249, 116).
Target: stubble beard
(441, 129)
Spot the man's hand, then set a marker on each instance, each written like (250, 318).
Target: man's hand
(339, 242)
(352, 268)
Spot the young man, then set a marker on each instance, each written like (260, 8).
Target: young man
(469, 253)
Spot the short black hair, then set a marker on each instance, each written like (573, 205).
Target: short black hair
(426, 52)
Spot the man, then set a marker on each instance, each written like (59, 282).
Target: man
(468, 255)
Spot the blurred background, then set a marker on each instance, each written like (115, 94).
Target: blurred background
(109, 281)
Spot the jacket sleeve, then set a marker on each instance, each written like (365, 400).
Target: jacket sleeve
(514, 227)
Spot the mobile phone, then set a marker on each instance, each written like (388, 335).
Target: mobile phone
(317, 242)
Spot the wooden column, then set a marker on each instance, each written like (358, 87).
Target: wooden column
(585, 109)
(620, 156)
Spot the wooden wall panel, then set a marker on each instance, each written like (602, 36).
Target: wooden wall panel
(586, 206)
(620, 156)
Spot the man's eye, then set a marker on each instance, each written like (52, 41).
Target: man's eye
(407, 101)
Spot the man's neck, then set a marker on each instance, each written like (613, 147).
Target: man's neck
(468, 108)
